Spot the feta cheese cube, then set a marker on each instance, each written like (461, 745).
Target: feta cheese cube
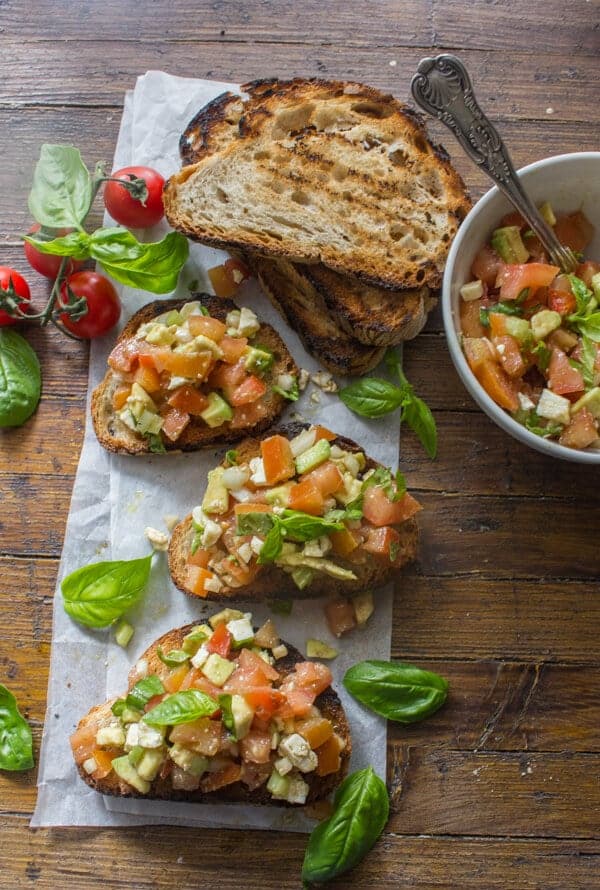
(248, 323)
(90, 765)
(554, 407)
(149, 736)
(283, 766)
(257, 469)
(241, 629)
(200, 656)
(298, 791)
(279, 651)
(472, 291)
(245, 552)
(158, 539)
(298, 752)
(133, 736)
(111, 736)
(214, 584)
(256, 544)
(176, 382)
(525, 402)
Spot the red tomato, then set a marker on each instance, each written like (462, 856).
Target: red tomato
(126, 209)
(574, 230)
(278, 460)
(562, 302)
(470, 321)
(581, 431)
(227, 278)
(174, 423)
(379, 509)
(48, 264)
(486, 266)
(264, 700)
(256, 746)
(381, 541)
(510, 355)
(586, 271)
(250, 661)
(20, 287)
(103, 304)
(227, 377)
(233, 348)
(340, 616)
(252, 389)
(515, 278)
(563, 378)
(220, 642)
(326, 478)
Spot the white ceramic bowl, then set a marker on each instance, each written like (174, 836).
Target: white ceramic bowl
(569, 182)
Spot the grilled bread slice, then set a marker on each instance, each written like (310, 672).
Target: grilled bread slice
(106, 781)
(273, 581)
(115, 436)
(320, 171)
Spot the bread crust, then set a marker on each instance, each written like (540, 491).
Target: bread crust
(320, 787)
(272, 581)
(117, 437)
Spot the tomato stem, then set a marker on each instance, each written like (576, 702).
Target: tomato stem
(46, 315)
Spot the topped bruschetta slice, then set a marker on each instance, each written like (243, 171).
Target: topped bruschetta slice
(303, 512)
(186, 375)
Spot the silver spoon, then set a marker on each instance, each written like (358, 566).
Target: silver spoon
(443, 88)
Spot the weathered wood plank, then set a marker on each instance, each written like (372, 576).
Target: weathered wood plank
(33, 513)
(55, 420)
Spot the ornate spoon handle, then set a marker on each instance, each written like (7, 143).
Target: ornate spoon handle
(443, 88)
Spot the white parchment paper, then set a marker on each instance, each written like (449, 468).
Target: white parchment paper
(115, 497)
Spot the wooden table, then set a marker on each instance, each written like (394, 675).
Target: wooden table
(501, 788)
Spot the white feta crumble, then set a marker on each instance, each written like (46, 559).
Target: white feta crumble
(554, 407)
(159, 540)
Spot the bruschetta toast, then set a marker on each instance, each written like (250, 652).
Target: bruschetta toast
(185, 375)
(218, 712)
(302, 513)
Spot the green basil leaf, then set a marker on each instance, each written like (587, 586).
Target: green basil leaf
(303, 527)
(400, 692)
(181, 707)
(16, 748)
(20, 379)
(118, 707)
(340, 842)
(153, 266)
(231, 457)
(61, 194)
(417, 414)
(509, 307)
(98, 594)
(372, 397)
(542, 354)
(590, 326)
(173, 658)
(75, 244)
(143, 691)
(588, 360)
(581, 292)
(272, 545)
(255, 523)
(227, 713)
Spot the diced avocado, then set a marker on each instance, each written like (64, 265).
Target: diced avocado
(279, 496)
(473, 290)
(544, 322)
(259, 359)
(218, 411)
(195, 638)
(319, 649)
(139, 394)
(351, 490)
(216, 497)
(129, 774)
(547, 213)
(318, 564)
(302, 577)
(218, 669)
(188, 760)
(591, 401)
(508, 244)
(596, 285)
(224, 617)
(242, 714)
(363, 607)
(278, 786)
(315, 455)
(519, 328)
(131, 715)
(150, 763)
(135, 755)
(148, 422)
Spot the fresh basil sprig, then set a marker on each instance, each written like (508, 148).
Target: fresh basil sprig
(340, 842)
(181, 707)
(375, 397)
(99, 594)
(586, 366)
(585, 320)
(292, 525)
(143, 691)
(398, 691)
(16, 747)
(62, 191)
(534, 423)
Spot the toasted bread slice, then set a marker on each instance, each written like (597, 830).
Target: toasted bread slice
(273, 581)
(320, 171)
(115, 436)
(328, 703)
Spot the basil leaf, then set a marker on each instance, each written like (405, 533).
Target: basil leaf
(581, 292)
(61, 194)
(181, 707)
(16, 748)
(154, 266)
(589, 326)
(303, 527)
(588, 360)
(272, 545)
(372, 397)
(173, 658)
(231, 457)
(542, 354)
(255, 523)
(143, 691)
(75, 244)
(98, 594)
(118, 707)
(338, 844)
(227, 713)
(20, 379)
(400, 692)
(509, 307)
(419, 418)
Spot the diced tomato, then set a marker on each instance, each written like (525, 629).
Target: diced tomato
(223, 284)
(510, 355)
(486, 266)
(204, 736)
(478, 352)
(124, 356)
(219, 779)
(252, 389)
(513, 279)
(104, 761)
(153, 702)
(174, 423)
(227, 377)
(264, 700)
(173, 680)
(195, 679)
(497, 323)
(233, 348)
(562, 339)
(321, 432)
(83, 741)
(186, 398)
(563, 378)
(574, 230)
(251, 507)
(586, 271)
(199, 558)
(307, 498)
(250, 662)
(513, 219)
(470, 323)
(241, 572)
(220, 641)
(581, 431)
(195, 366)
(383, 543)
(562, 302)
(316, 730)
(256, 747)
(148, 378)
(249, 415)
(329, 759)
(196, 579)
(326, 478)
(206, 326)
(498, 385)
(313, 675)
(254, 775)
(278, 459)
(380, 510)
(537, 251)
(298, 703)
(120, 396)
(343, 542)
(237, 270)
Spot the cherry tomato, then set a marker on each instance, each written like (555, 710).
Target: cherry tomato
(48, 264)
(20, 287)
(103, 304)
(126, 209)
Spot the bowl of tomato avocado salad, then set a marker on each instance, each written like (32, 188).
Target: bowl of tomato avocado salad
(524, 335)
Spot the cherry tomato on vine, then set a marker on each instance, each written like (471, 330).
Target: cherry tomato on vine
(126, 209)
(20, 287)
(48, 264)
(103, 304)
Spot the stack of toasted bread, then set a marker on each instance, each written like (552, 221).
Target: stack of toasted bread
(339, 202)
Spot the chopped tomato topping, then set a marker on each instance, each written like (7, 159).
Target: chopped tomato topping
(83, 741)
(220, 641)
(223, 284)
(561, 301)
(184, 364)
(186, 398)
(486, 266)
(574, 230)
(195, 679)
(233, 348)
(225, 776)
(251, 507)
(104, 761)
(470, 322)
(498, 386)
(278, 460)
(497, 324)
(312, 675)
(252, 389)
(586, 271)
(510, 355)
(307, 498)
(120, 396)
(205, 326)
(199, 558)
(250, 662)
(329, 759)
(123, 358)
(264, 700)
(256, 746)
(326, 478)
(581, 431)
(514, 279)
(321, 432)
(227, 377)
(204, 736)
(340, 616)
(148, 378)
(379, 509)
(174, 423)
(316, 730)
(196, 580)
(174, 678)
(343, 542)
(563, 378)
